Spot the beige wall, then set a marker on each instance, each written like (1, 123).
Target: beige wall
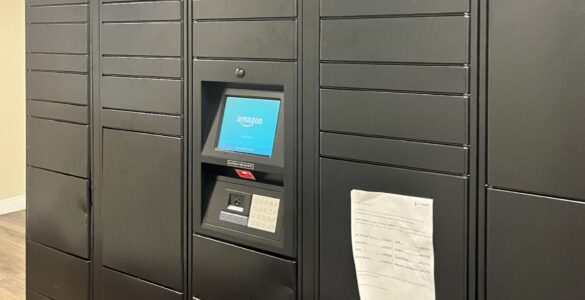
(12, 99)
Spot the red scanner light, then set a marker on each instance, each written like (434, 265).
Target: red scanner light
(245, 174)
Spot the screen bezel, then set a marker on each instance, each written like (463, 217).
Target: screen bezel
(222, 114)
(210, 136)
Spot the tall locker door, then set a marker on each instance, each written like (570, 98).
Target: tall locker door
(536, 93)
(536, 150)
(141, 153)
(58, 143)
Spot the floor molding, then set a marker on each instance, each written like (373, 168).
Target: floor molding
(13, 204)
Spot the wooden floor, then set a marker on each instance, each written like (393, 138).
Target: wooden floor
(12, 243)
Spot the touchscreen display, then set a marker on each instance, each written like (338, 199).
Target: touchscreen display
(248, 125)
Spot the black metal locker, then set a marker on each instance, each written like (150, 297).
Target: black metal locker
(141, 235)
(387, 90)
(449, 79)
(535, 147)
(536, 97)
(141, 206)
(395, 116)
(534, 247)
(383, 7)
(248, 46)
(421, 40)
(240, 269)
(226, 9)
(434, 118)
(58, 211)
(58, 149)
(56, 275)
(118, 286)
(338, 178)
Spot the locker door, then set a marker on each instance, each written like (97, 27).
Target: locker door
(536, 71)
(535, 150)
(535, 250)
(338, 178)
(141, 206)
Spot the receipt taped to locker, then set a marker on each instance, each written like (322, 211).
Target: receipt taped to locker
(392, 243)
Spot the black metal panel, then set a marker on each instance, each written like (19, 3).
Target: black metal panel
(117, 286)
(141, 66)
(226, 272)
(395, 77)
(535, 247)
(136, 121)
(65, 13)
(55, 274)
(282, 241)
(58, 146)
(58, 111)
(396, 7)
(257, 73)
(141, 208)
(450, 159)
(30, 295)
(142, 11)
(60, 87)
(58, 211)
(535, 107)
(58, 38)
(58, 62)
(430, 40)
(338, 178)
(246, 39)
(148, 39)
(411, 116)
(217, 9)
(142, 94)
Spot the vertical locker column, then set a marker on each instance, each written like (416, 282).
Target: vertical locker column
(58, 156)
(394, 117)
(535, 150)
(247, 47)
(141, 121)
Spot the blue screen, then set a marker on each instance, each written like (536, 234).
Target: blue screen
(249, 125)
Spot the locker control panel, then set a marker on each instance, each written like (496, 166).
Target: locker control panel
(237, 209)
(251, 210)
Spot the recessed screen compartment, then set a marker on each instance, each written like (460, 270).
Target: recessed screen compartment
(243, 126)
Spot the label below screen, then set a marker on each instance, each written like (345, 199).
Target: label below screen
(240, 165)
(264, 213)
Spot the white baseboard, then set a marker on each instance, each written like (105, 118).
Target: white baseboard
(13, 204)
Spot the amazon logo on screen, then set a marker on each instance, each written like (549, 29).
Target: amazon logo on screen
(248, 122)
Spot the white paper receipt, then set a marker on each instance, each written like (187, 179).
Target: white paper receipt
(392, 241)
(263, 213)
